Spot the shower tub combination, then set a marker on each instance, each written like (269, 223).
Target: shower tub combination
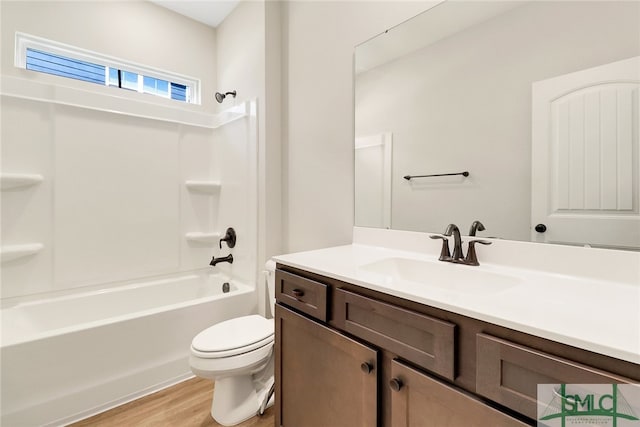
(68, 357)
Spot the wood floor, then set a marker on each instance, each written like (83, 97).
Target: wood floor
(186, 404)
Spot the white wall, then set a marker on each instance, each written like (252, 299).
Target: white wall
(464, 103)
(318, 44)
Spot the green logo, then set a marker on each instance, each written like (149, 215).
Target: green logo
(588, 407)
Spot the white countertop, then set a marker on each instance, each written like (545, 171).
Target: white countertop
(599, 315)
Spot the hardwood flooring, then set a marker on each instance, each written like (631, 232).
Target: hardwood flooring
(183, 405)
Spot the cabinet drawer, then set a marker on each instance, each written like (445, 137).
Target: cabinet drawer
(303, 294)
(420, 339)
(509, 373)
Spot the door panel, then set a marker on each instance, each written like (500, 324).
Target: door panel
(585, 156)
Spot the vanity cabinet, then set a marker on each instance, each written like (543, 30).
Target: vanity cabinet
(350, 356)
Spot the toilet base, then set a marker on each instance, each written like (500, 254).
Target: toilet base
(238, 398)
(234, 400)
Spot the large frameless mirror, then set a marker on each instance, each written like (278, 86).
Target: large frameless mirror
(522, 115)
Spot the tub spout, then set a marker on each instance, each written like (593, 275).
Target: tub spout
(228, 258)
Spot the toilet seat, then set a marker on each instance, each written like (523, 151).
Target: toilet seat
(233, 337)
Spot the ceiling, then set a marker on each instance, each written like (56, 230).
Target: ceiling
(209, 12)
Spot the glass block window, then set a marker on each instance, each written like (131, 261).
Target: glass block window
(45, 56)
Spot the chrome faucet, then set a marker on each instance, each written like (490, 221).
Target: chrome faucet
(228, 258)
(458, 257)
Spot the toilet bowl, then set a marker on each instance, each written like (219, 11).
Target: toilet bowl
(238, 355)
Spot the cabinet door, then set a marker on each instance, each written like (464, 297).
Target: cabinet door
(421, 401)
(322, 377)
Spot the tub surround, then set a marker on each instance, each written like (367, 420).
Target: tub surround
(188, 190)
(71, 264)
(561, 293)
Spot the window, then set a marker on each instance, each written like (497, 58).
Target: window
(44, 56)
(65, 67)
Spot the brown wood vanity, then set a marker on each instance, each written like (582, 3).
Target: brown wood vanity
(349, 356)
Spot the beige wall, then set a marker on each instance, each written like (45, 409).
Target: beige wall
(134, 31)
(319, 39)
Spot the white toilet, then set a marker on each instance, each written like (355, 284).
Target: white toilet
(238, 355)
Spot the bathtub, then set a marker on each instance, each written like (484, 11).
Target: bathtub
(65, 358)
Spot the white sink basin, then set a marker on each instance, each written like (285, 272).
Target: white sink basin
(444, 275)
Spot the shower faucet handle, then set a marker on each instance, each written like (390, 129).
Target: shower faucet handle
(229, 237)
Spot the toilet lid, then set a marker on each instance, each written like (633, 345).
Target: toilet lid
(234, 334)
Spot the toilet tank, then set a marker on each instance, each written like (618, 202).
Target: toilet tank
(270, 279)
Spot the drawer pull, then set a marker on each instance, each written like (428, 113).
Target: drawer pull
(298, 293)
(395, 384)
(366, 367)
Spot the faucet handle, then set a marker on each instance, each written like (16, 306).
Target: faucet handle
(229, 237)
(444, 252)
(472, 258)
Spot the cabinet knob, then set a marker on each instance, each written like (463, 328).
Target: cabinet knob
(541, 228)
(366, 367)
(298, 293)
(395, 384)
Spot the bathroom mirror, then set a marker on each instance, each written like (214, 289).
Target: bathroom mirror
(524, 115)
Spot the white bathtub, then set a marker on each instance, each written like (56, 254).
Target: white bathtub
(69, 357)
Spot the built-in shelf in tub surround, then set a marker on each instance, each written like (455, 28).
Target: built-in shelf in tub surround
(207, 187)
(9, 181)
(200, 237)
(12, 252)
